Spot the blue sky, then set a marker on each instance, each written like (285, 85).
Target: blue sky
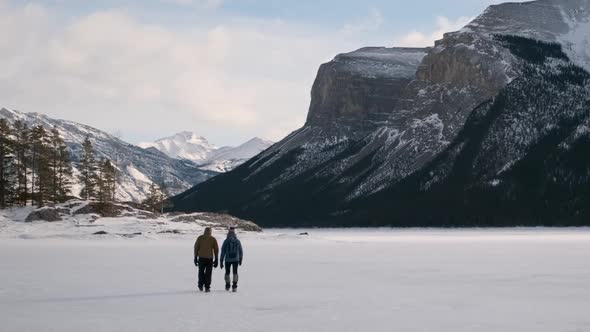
(227, 69)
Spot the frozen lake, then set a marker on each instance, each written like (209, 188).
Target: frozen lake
(354, 280)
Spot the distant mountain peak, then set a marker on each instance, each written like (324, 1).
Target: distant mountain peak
(187, 136)
(191, 146)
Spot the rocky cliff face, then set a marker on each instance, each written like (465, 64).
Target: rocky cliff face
(356, 92)
(418, 137)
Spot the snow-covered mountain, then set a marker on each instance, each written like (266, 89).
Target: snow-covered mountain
(184, 145)
(138, 167)
(489, 127)
(227, 158)
(191, 146)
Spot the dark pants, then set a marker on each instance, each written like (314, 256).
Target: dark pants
(233, 268)
(205, 271)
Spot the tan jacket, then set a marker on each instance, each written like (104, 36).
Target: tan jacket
(206, 247)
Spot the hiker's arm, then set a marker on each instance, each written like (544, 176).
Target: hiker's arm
(223, 249)
(215, 249)
(241, 250)
(197, 244)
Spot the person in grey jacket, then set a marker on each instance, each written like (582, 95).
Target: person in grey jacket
(231, 256)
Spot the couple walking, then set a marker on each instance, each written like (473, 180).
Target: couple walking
(206, 258)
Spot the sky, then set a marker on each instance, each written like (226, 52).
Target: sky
(228, 70)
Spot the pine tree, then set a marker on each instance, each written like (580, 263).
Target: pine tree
(40, 167)
(88, 171)
(164, 202)
(155, 199)
(22, 158)
(64, 174)
(60, 166)
(150, 199)
(107, 181)
(6, 163)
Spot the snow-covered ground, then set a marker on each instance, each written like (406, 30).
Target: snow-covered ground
(350, 280)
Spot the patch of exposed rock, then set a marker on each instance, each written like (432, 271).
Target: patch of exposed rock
(45, 214)
(357, 91)
(114, 210)
(219, 221)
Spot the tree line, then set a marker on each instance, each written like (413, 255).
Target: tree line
(36, 168)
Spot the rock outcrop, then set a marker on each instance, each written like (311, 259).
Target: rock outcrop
(45, 214)
(219, 221)
(356, 92)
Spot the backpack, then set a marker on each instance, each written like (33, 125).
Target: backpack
(233, 250)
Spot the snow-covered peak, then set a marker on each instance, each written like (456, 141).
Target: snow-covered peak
(189, 145)
(246, 150)
(190, 137)
(184, 145)
(563, 21)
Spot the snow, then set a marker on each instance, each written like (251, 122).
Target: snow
(191, 146)
(136, 174)
(431, 121)
(351, 280)
(178, 177)
(577, 40)
(227, 158)
(185, 145)
(382, 61)
(495, 182)
(564, 21)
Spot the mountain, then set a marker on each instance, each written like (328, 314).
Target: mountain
(490, 127)
(184, 145)
(227, 158)
(138, 167)
(190, 146)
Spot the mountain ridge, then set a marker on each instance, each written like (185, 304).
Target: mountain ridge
(139, 168)
(195, 148)
(357, 158)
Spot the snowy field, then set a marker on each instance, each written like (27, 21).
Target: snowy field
(354, 280)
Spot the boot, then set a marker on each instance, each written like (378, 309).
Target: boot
(227, 285)
(234, 287)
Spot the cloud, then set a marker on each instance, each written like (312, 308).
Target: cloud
(443, 25)
(372, 22)
(229, 81)
(199, 3)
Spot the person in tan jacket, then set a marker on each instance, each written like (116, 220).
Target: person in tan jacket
(206, 256)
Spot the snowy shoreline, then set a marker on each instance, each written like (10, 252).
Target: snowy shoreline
(127, 223)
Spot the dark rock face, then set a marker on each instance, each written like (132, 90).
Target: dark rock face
(488, 129)
(108, 210)
(521, 159)
(357, 91)
(45, 214)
